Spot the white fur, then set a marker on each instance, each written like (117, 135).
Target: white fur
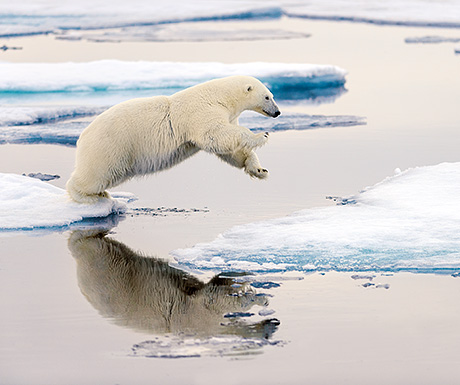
(147, 135)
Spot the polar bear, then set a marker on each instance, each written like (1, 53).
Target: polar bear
(147, 135)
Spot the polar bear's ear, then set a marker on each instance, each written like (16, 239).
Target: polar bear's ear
(249, 88)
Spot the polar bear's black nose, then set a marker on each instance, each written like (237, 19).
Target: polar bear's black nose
(277, 113)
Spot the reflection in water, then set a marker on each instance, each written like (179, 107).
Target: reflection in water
(148, 295)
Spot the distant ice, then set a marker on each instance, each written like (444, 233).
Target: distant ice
(27, 203)
(27, 17)
(31, 17)
(369, 277)
(431, 40)
(28, 115)
(65, 134)
(407, 222)
(416, 13)
(42, 177)
(179, 32)
(265, 285)
(5, 47)
(25, 125)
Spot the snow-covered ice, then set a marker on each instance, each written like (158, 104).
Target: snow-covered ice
(409, 221)
(110, 75)
(27, 203)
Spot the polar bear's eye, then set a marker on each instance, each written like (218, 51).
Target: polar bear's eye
(267, 98)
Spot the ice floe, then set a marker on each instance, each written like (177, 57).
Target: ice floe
(28, 115)
(27, 203)
(431, 40)
(41, 176)
(29, 17)
(110, 75)
(27, 123)
(418, 13)
(409, 222)
(180, 32)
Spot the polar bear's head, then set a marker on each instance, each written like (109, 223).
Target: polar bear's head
(258, 98)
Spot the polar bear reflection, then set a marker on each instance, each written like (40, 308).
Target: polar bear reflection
(147, 294)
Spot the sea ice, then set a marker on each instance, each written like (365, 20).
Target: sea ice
(431, 40)
(28, 17)
(390, 12)
(181, 32)
(28, 115)
(56, 133)
(27, 203)
(112, 75)
(407, 222)
(27, 127)
(42, 177)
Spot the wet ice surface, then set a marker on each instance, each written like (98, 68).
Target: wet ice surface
(28, 131)
(406, 222)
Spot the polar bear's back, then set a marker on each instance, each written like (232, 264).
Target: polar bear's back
(120, 142)
(128, 119)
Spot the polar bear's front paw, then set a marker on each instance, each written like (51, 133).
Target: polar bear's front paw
(260, 139)
(260, 173)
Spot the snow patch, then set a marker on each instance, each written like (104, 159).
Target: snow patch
(407, 222)
(28, 203)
